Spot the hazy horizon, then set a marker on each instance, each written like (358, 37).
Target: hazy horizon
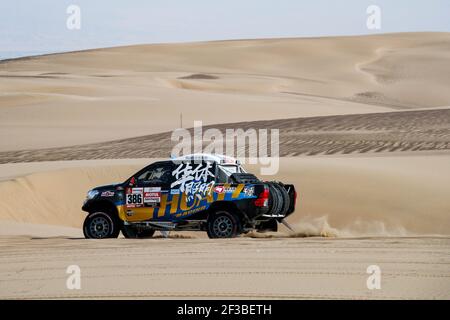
(42, 28)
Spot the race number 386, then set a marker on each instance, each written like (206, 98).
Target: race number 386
(134, 198)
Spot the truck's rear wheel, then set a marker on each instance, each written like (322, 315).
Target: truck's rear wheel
(223, 224)
(100, 225)
(133, 232)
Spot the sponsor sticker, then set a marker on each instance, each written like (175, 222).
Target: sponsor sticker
(249, 191)
(222, 189)
(107, 194)
(134, 197)
(152, 195)
(175, 191)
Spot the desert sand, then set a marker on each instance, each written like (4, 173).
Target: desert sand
(107, 94)
(364, 135)
(245, 268)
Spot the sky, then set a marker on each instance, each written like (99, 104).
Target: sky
(40, 26)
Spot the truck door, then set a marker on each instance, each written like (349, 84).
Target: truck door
(143, 195)
(193, 182)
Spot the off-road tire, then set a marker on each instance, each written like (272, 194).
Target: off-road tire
(286, 201)
(223, 224)
(275, 199)
(101, 225)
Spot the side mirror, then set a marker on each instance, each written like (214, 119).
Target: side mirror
(132, 182)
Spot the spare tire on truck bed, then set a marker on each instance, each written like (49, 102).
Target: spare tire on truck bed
(278, 199)
(285, 198)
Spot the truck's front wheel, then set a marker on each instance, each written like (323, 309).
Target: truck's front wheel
(100, 225)
(223, 224)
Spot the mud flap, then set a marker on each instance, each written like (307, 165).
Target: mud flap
(287, 225)
(271, 225)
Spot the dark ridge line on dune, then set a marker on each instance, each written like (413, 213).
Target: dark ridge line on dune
(31, 57)
(215, 126)
(29, 77)
(44, 55)
(358, 100)
(379, 132)
(242, 124)
(231, 125)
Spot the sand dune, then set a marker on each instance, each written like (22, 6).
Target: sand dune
(424, 130)
(55, 197)
(91, 93)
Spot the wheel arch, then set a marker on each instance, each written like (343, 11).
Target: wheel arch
(227, 206)
(104, 206)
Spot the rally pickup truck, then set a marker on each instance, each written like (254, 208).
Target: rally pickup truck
(198, 192)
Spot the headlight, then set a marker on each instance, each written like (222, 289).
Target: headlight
(91, 194)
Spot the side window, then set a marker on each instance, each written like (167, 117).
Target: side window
(222, 176)
(225, 171)
(161, 173)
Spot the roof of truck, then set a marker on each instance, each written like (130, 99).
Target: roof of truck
(219, 158)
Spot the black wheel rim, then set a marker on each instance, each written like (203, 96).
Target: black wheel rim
(99, 227)
(223, 227)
